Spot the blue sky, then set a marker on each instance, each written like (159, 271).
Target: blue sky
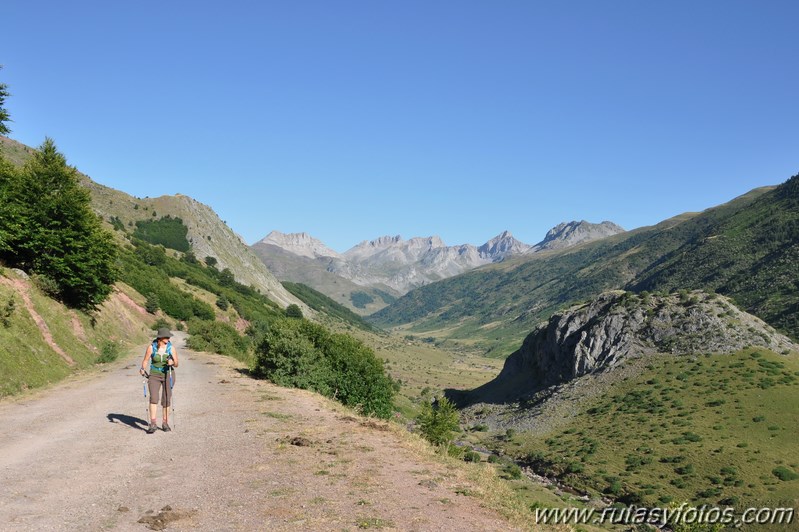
(354, 119)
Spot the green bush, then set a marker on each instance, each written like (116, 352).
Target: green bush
(471, 456)
(513, 471)
(152, 305)
(108, 352)
(293, 311)
(784, 474)
(438, 422)
(301, 354)
(217, 337)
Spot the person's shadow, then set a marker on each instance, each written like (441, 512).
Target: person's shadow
(130, 421)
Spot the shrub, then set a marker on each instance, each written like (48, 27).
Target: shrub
(293, 311)
(784, 474)
(222, 303)
(471, 456)
(8, 311)
(513, 471)
(217, 337)
(438, 422)
(151, 305)
(298, 353)
(108, 352)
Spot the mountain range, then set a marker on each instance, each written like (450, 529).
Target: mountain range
(368, 276)
(747, 249)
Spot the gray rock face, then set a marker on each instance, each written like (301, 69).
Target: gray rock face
(301, 244)
(401, 265)
(572, 233)
(618, 325)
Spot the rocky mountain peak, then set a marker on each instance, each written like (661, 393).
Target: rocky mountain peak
(571, 233)
(301, 244)
(502, 246)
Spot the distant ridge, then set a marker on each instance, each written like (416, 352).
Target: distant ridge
(572, 233)
(391, 263)
(301, 244)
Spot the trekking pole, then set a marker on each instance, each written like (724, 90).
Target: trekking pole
(171, 398)
(146, 405)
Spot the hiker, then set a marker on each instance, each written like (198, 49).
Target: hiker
(162, 358)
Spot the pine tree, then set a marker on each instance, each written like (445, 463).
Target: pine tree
(49, 228)
(4, 116)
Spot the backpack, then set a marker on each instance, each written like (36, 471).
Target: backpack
(155, 350)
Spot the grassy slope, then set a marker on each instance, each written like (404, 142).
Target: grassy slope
(27, 361)
(752, 256)
(321, 303)
(702, 429)
(494, 307)
(292, 268)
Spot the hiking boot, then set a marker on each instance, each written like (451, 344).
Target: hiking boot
(152, 428)
(166, 428)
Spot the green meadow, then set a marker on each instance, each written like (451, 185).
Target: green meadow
(709, 429)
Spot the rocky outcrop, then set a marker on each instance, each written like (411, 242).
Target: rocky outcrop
(301, 244)
(502, 246)
(572, 233)
(615, 326)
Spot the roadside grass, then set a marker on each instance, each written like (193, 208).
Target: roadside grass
(28, 362)
(707, 429)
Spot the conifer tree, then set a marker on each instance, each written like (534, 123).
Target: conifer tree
(4, 116)
(49, 228)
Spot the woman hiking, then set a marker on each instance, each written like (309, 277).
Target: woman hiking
(162, 358)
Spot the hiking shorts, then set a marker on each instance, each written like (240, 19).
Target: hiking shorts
(155, 383)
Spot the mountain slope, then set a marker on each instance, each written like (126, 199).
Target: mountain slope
(313, 272)
(208, 235)
(494, 307)
(752, 256)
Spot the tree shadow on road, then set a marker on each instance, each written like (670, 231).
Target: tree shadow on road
(130, 421)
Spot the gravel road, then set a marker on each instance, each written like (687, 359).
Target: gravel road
(243, 455)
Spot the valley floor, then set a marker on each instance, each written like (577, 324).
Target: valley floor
(243, 455)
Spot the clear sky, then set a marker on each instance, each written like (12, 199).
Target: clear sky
(355, 119)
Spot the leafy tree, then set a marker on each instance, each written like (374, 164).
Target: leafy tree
(210, 261)
(226, 278)
(293, 311)
(4, 116)
(437, 423)
(48, 227)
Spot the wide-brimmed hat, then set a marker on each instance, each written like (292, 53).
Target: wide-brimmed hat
(163, 332)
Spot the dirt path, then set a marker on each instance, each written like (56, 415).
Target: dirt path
(244, 455)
